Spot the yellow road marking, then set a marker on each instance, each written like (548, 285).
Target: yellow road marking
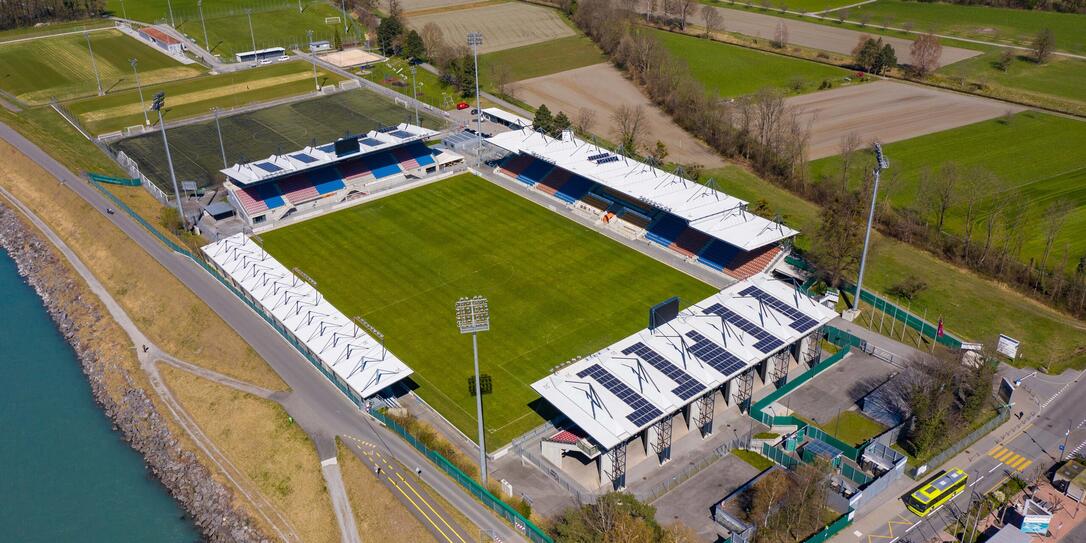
(436, 527)
(994, 449)
(1012, 459)
(423, 500)
(1005, 455)
(1024, 466)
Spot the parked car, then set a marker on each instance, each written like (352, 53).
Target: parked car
(283, 58)
(265, 62)
(462, 106)
(474, 111)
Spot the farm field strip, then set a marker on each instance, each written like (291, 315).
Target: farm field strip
(503, 26)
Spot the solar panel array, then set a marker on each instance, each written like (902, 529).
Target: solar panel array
(766, 342)
(643, 411)
(605, 160)
(369, 142)
(304, 158)
(720, 360)
(268, 167)
(401, 134)
(687, 386)
(800, 322)
(597, 157)
(821, 448)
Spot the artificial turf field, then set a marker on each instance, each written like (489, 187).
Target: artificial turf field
(556, 289)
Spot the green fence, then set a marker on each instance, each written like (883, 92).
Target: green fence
(832, 529)
(854, 474)
(474, 488)
(912, 321)
(533, 532)
(779, 456)
(99, 178)
(842, 338)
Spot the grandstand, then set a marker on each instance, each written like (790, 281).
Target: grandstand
(622, 401)
(357, 363)
(268, 190)
(695, 221)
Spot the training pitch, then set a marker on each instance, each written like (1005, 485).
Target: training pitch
(556, 289)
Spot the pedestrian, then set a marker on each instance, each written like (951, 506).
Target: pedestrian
(418, 471)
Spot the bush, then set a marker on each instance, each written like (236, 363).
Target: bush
(908, 288)
(766, 435)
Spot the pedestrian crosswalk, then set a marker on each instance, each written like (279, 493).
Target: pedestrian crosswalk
(1010, 458)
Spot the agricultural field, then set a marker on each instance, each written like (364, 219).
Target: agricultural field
(402, 261)
(37, 71)
(504, 25)
(887, 111)
(1040, 170)
(732, 70)
(250, 136)
(1062, 80)
(1000, 25)
(973, 307)
(410, 6)
(537, 60)
(50, 29)
(601, 88)
(197, 96)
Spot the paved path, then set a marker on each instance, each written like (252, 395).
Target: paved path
(315, 403)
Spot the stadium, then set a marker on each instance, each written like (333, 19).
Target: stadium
(338, 258)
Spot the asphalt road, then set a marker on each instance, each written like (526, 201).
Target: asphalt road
(1034, 448)
(314, 402)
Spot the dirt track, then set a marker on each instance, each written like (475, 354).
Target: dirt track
(887, 111)
(602, 88)
(818, 36)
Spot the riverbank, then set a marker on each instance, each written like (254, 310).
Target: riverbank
(101, 351)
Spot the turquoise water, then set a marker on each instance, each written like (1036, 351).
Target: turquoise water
(66, 475)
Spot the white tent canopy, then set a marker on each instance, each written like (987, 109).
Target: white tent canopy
(356, 358)
(621, 390)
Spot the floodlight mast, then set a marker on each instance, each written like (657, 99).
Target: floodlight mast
(472, 317)
(881, 163)
(157, 103)
(475, 39)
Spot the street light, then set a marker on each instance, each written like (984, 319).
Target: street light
(472, 317)
(881, 163)
(143, 105)
(200, 6)
(249, 15)
(475, 39)
(222, 147)
(157, 103)
(94, 64)
(169, 5)
(415, 93)
(313, 59)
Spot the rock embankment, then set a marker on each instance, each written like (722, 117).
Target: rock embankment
(78, 314)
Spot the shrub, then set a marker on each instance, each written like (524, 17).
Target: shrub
(908, 288)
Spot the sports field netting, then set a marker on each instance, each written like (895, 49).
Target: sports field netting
(556, 289)
(251, 136)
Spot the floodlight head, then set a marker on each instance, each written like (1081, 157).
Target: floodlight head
(883, 163)
(472, 315)
(132, 61)
(475, 38)
(158, 101)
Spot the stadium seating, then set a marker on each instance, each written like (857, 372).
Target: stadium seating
(718, 254)
(690, 242)
(297, 189)
(574, 189)
(354, 169)
(535, 172)
(260, 198)
(752, 263)
(383, 165)
(327, 180)
(516, 164)
(635, 218)
(596, 201)
(413, 156)
(666, 229)
(554, 179)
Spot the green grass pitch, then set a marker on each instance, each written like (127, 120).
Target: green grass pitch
(732, 70)
(556, 289)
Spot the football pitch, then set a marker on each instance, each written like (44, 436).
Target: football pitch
(556, 290)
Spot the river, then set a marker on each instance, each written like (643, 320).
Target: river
(67, 476)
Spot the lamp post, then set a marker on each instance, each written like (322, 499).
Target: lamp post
(200, 7)
(157, 103)
(94, 63)
(880, 164)
(313, 59)
(124, 10)
(143, 105)
(169, 6)
(343, 8)
(475, 39)
(222, 147)
(252, 35)
(415, 93)
(472, 317)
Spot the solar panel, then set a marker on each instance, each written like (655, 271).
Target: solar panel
(766, 342)
(605, 160)
(370, 142)
(401, 134)
(687, 386)
(643, 411)
(822, 448)
(330, 148)
(302, 157)
(268, 167)
(598, 156)
(722, 361)
(800, 322)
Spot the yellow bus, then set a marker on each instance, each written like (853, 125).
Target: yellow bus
(936, 491)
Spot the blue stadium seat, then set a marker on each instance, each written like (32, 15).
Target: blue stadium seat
(666, 229)
(535, 172)
(383, 165)
(718, 254)
(574, 189)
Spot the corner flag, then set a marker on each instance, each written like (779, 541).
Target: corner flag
(939, 332)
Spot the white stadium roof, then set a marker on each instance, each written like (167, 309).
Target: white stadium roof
(621, 390)
(323, 155)
(509, 118)
(706, 209)
(358, 359)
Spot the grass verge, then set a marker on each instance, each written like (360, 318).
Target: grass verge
(759, 462)
(852, 427)
(378, 515)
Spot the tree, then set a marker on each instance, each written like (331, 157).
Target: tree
(850, 144)
(685, 9)
(1043, 44)
(938, 191)
(659, 153)
(432, 38)
(395, 11)
(615, 517)
(585, 117)
(337, 41)
(500, 74)
(1006, 57)
(767, 494)
(389, 35)
(544, 120)
(413, 47)
(629, 123)
(560, 124)
(714, 22)
(976, 187)
(866, 52)
(925, 53)
(1055, 217)
(780, 36)
(887, 59)
(839, 238)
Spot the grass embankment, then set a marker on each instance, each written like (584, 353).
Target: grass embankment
(379, 516)
(196, 96)
(402, 262)
(852, 427)
(973, 307)
(759, 462)
(170, 314)
(49, 29)
(38, 71)
(258, 437)
(732, 70)
(1031, 156)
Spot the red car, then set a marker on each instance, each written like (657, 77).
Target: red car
(462, 105)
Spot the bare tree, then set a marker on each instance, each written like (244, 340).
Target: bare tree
(941, 192)
(974, 188)
(395, 10)
(585, 117)
(780, 36)
(850, 143)
(1055, 217)
(432, 39)
(686, 9)
(1043, 44)
(925, 52)
(629, 124)
(501, 75)
(993, 209)
(714, 22)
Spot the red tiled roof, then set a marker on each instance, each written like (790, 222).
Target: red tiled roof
(160, 36)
